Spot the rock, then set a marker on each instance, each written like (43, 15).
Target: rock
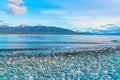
(105, 72)
(31, 78)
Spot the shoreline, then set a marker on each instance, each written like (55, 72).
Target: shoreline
(98, 50)
(103, 64)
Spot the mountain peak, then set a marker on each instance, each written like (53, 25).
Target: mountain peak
(24, 25)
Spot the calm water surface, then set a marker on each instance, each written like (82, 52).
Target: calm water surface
(58, 42)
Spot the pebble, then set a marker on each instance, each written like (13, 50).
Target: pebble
(62, 66)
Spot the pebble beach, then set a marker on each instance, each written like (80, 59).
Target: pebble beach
(101, 64)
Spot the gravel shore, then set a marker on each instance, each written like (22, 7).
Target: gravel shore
(102, 64)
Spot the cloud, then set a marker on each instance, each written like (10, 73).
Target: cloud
(57, 12)
(6, 24)
(115, 29)
(111, 26)
(85, 22)
(15, 10)
(1, 21)
(94, 19)
(17, 2)
(13, 7)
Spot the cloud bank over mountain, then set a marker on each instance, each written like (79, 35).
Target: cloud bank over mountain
(110, 29)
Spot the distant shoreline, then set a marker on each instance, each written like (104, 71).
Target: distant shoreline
(56, 33)
(52, 33)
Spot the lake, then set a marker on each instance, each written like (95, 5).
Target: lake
(56, 42)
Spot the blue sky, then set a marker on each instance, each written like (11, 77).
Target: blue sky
(82, 15)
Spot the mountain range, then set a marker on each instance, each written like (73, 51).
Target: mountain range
(27, 29)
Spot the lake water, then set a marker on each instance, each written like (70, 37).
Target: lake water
(56, 42)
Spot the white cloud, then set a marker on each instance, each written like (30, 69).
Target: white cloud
(85, 22)
(15, 10)
(93, 19)
(56, 12)
(16, 1)
(13, 7)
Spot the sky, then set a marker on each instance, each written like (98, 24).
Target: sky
(76, 15)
